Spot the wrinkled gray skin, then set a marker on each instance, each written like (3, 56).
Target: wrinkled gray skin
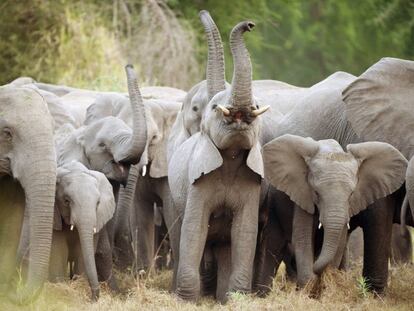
(109, 145)
(217, 174)
(401, 247)
(380, 106)
(84, 204)
(28, 179)
(340, 184)
(319, 113)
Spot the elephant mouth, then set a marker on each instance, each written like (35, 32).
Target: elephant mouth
(116, 172)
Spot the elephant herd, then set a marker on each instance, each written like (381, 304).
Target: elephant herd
(222, 183)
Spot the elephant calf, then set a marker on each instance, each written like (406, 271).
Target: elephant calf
(84, 204)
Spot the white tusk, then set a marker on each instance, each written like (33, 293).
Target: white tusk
(94, 230)
(224, 110)
(320, 225)
(348, 226)
(71, 227)
(144, 170)
(259, 111)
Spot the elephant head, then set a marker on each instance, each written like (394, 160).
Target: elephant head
(340, 184)
(380, 106)
(109, 145)
(230, 120)
(27, 153)
(85, 201)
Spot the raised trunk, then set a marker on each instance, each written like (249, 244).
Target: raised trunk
(241, 88)
(135, 146)
(334, 229)
(88, 255)
(38, 179)
(216, 80)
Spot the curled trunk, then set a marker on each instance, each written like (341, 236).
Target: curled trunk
(241, 88)
(135, 146)
(215, 61)
(334, 230)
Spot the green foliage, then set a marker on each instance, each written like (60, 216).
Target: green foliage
(87, 43)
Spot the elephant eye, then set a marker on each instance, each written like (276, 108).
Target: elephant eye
(7, 132)
(66, 201)
(195, 108)
(102, 145)
(214, 107)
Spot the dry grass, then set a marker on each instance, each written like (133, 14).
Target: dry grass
(341, 291)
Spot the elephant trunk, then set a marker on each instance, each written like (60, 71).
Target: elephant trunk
(88, 255)
(334, 230)
(216, 80)
(241, 86)
(409, 186)
(38, 179)
(135, 146)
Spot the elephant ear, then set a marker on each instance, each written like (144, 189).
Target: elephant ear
(57, 219)
(57, 216)
(381, 172)
(164, 119)
(285, 167)
(380, 104)
(205, 158)
(409, 185)
(106, 206)
(255, 160)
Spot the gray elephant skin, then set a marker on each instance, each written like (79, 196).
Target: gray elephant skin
(28, 179)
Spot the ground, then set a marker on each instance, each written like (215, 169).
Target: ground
(340, 291)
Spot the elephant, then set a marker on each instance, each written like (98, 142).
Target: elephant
(109, 145)
(84, 204)
(401, 246)
(340, 184)
(380, 98)
(216, 174)
(28, 181)
(320, 113)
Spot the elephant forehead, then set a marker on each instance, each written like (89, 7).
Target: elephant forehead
(329, 146)
(108, 127)
(334, 164)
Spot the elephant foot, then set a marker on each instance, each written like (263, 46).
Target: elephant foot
(113, 285)
(94, 294)
(262, 290)
(24, 296)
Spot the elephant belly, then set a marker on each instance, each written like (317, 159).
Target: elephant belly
(219, 226)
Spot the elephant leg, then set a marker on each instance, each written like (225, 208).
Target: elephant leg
(223, 257)
(377, 228)
(103, 259)
(290, 263)
(58, 257)
(302, 240)
(208, 272)
(269, 256)
(243, 244)
(145, 234)
(193, 238)
(401, 245)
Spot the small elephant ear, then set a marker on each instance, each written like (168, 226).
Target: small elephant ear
(106, 207)
(57, 219)
(205, 158)
(381, 172)
(255, 160)
(380, 104)
(286, 169)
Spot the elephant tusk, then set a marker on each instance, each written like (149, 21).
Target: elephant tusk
(348, 226)
(224, 110)
(144, 170)
(94, 230)
(259, 111)
(320, 225)
(71, 227)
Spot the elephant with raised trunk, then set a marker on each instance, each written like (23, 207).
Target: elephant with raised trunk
(84, 204)
(215, 178)
(28, 180)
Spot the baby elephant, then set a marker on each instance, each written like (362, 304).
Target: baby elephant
(84, 204)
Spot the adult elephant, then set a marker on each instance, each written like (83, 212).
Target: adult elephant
(28, 180)
(216, 173)
(320, 113)
(380, 106)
